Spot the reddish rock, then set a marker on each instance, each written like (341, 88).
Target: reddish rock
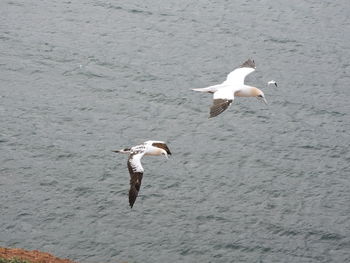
(34, 256)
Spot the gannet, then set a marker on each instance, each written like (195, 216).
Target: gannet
(154, 148)
(233, 86)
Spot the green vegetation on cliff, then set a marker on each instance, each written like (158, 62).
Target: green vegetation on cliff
(13, 260)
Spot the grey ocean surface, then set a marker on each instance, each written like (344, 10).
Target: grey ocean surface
(256, 184)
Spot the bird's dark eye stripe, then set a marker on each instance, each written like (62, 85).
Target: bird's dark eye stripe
(260, 96)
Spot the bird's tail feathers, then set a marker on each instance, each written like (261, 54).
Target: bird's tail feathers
(126, 150)
(210, 89)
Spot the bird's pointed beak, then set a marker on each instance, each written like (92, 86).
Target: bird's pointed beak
(262, 99)
(116, 151)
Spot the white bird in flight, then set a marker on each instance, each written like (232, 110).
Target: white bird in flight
(154, 148)
(232, 87)
(272, 82)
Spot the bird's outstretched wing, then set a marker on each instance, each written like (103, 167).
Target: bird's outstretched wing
(219, 105)
(237, 76)
(222, 99)
(136, 174)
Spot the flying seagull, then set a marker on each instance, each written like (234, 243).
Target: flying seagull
(272, 82)
(232, 87)
(154, 148)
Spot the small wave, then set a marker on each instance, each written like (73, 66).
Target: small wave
(331, 236)
(280, 41)
(49, 183)
(137, 11)
(65, 156)
(117, 7)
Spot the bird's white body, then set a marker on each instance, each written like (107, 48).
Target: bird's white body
(272, 82)
(146, 148)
